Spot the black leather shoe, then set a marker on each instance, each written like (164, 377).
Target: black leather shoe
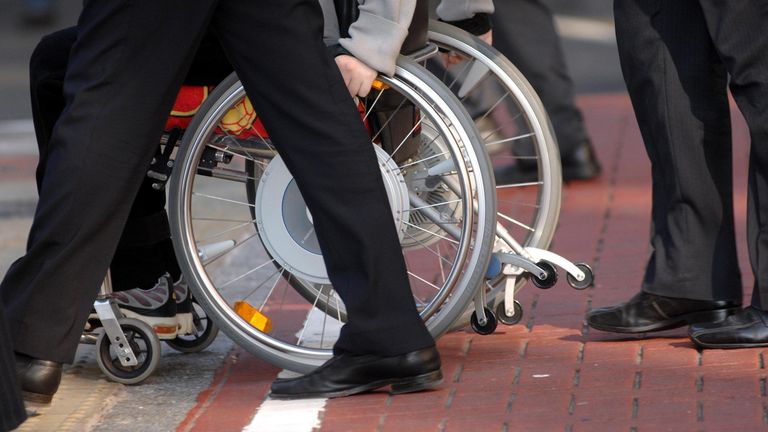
(649, 312)
(345, 375)
(39, 379)
(578, 164)
(748, 328)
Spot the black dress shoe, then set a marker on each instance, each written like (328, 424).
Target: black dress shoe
(345, 375)
(649, 312)
(39, 379)
(748, 328)
(578, 164)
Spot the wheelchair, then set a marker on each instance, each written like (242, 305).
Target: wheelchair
(244, 239)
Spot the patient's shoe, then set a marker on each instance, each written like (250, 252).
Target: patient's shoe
(155, 306)
(39, 379)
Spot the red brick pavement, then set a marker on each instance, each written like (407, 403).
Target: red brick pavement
(551, 373)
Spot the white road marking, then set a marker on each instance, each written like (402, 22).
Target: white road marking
(287, 416)
(590, 30)
(297, 415)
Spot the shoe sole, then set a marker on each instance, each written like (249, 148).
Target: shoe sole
(418, 383)
(729, 346)
(679, 321)
(701, 344)
(165, 327)
(36, 400)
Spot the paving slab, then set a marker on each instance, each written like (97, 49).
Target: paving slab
(549, 373)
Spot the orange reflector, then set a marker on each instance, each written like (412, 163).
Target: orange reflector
(253, 316)
(164, 330)
(379, 85)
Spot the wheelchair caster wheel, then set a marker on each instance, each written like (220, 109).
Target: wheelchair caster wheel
(145, 345)
(501, 313)
(203, 334)
(589, 277)
(484, 329)
(550, 280)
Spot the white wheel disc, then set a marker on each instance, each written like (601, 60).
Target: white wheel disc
(285, 223)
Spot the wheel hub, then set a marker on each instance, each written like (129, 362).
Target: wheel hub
(285, 224)
(421, 231)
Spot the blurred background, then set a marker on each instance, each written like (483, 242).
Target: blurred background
(585, 25)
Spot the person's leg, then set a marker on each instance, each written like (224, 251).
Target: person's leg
(12, 412)
(47, 68)
(312, 120)
(145, 252)
(736, 28)
(124, 71)
(524, 32)
(314, 123)
(678, 88)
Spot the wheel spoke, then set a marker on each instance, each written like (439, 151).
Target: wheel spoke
(437, 288)
(224, 285)
(431, 233)
(228, 230)
(516, 222)
(197, 194)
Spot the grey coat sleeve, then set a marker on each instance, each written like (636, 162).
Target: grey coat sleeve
(377, 35)
(457, 10)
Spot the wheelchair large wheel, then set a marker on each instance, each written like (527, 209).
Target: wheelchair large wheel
(251, 258)
(516, 133)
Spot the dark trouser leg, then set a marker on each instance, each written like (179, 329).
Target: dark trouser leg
(47, 67)
(304, 104)
(678, 88)
(145, 251)
(124, 71)
(737, 30)
(11, 406)
(525, 33)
